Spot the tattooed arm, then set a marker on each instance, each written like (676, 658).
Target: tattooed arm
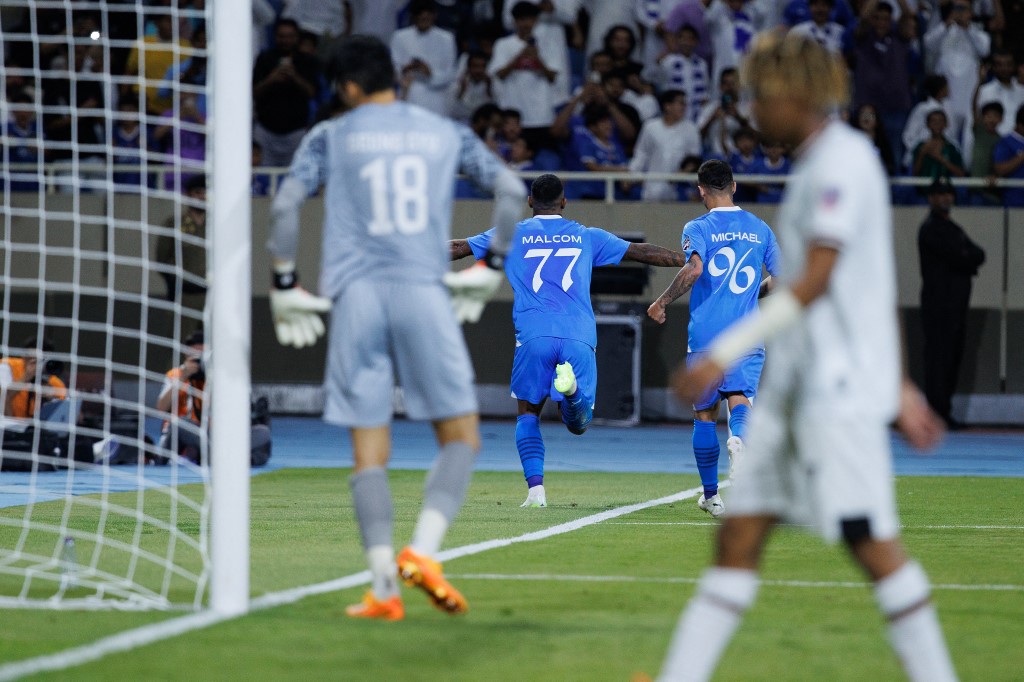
(680, 285)
(652, 254)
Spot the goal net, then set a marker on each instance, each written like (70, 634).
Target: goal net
(125, 256)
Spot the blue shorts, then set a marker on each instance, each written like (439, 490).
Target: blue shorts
(742, 377)
(533, 368)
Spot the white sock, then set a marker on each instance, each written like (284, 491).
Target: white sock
(381, 559)
(708, 623)
(913, 625)
(430, 530)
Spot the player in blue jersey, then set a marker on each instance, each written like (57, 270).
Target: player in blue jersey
(726, 249)
(549, 265)
(389, 172)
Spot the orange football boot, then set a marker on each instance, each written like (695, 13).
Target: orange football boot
(425, 573)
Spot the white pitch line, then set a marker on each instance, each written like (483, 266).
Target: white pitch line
(797, 525)
(543, 577)
(156, 632)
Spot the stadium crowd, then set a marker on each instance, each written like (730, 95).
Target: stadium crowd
(579, 85)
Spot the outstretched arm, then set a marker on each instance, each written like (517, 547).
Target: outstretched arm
(459, 248)
(652, 254)
(682, 283)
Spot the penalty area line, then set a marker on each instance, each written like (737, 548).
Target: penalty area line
(156, 632)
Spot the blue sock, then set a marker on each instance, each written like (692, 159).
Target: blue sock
(738, 417)
(705, 451)
(577, 412)
(531, 448)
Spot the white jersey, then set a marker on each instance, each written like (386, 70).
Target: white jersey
(844, 354)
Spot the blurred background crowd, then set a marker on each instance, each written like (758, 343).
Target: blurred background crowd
(581, 85)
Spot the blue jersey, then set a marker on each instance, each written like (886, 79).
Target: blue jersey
(549, 265)
(733, 245)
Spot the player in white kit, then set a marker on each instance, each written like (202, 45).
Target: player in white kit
(388, 169)
(818, 448)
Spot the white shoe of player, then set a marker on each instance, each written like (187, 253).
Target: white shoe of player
(714, 506)
(535, 498)
(735, 447)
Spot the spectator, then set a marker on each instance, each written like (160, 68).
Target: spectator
(486, 122)
(607, 93)
(525, 72)
(687, 191)
(30, 387)
(284, 82)
(151, 58)
(603, 16)
(424, 58)
(690, 12)
(21, 142)
(375, 17)
(126, 143)
(683, 69)
(880, 59)
(865, 119)
(722, 117)
(732, 24)
(74, 127)
(957, 47)
(554, 18)
(325, 20)
(820, 26)
(188, 77)
(938, 157)
(1008, 160)
(949, 259)
(986, 137)
(263, 16)
(182, 249)
(915, 131)
(663, 144)
(773, 161)
(181, 136)
(620, 44)
(472, 87)
(521, 157)
(626, 117)
(510, 131)
(651, 17)
(798, 11)
(595, 149)
(1003, 88)
(744, 160)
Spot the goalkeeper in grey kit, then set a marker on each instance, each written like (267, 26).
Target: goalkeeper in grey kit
(388, 169)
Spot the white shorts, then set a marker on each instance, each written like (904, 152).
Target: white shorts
(383, 330)
(832, 472)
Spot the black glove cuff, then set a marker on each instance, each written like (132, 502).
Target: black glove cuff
(286, 280)
(495, 261)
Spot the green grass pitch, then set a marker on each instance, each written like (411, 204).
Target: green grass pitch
(598, 603)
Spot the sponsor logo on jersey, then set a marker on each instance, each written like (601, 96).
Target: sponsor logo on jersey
(735, 237)
(829, 198)
(686, 244)
(552, 239)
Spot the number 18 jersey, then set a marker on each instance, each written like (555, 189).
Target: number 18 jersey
(733, 246)
(549, 265)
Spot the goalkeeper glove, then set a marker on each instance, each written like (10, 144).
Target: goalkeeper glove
(471, 289)
(296, 312)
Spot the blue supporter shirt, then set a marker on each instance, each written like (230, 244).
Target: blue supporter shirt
(1006, 149)
(549, 266)
(733, 245)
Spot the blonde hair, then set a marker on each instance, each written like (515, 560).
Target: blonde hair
(794, 66)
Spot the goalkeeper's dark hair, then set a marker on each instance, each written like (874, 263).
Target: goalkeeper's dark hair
(196, 338)
(715, 175)
(365, 61)
(547, 192)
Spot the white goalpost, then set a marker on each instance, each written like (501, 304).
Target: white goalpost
(124, 230)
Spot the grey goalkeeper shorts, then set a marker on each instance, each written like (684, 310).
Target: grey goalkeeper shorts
(382, 332)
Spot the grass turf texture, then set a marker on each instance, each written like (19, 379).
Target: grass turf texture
(538, 620)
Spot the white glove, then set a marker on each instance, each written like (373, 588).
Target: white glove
(471, 289)
(296, 314)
